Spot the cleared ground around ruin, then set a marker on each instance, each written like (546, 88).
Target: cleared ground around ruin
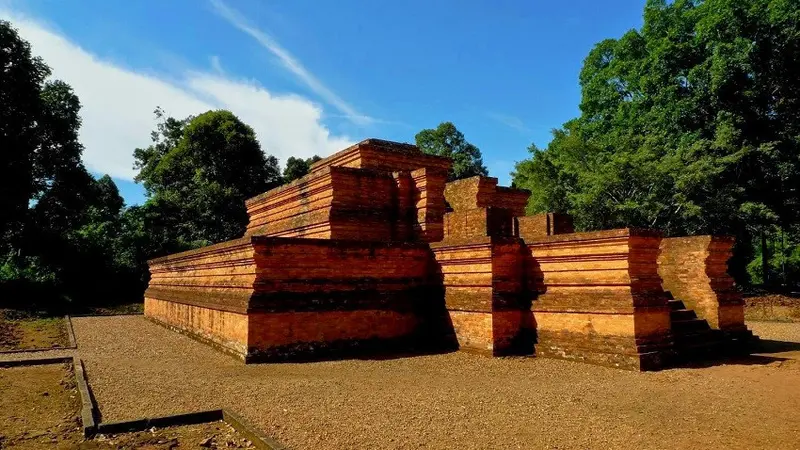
(457, 400)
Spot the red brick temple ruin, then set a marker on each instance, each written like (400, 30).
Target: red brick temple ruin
(374, 251)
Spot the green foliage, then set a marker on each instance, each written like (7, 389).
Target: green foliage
(46, 194)
(66, 238)
(38, 134)
(783, 264)
(197, 174)
(446, 140)
(297, 167)
(689, 125)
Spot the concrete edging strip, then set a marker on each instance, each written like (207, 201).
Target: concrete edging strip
(89, 411)
(70, 333)
(191, 418)
(36, 361)
(259, 439)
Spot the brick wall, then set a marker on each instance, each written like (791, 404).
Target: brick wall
(483, 285)
(541, 225)
(298, 297)
(600, 298)
(694, 270)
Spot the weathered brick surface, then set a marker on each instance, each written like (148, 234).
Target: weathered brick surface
(480, 208)
(483, 286)
(428, 198)
(477, 223)
(386, 156)
(295, 293)
(374, 190)
(227, 329)
(598, 289)
(373, 250)
(541, 225)
(694, 270)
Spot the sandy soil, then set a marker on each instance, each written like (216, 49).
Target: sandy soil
(32, 333)
(772, 307)
(39, 408)
(455, 400)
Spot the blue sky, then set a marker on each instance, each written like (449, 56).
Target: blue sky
(313, 76)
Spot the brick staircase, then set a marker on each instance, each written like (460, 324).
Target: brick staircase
(693, 336)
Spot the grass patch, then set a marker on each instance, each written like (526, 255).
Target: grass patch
(27, 331)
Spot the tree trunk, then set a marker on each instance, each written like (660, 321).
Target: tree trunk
(764, 259)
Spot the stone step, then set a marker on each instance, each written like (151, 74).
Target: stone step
(689, 325)
(704, 344)
(682, 314)
(676, 304)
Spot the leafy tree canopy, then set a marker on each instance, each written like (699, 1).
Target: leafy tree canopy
(446, 140)
(197, 174)
(297, 167)
(41, 154)
(691, 124)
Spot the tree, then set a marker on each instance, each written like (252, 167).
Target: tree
(197, 174)
(690, 125)
(297, 167)
(446, 140)
(38, 134)
(46, 194)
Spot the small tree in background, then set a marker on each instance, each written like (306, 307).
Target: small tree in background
(197, 175)
(298, 167)
(446, 140)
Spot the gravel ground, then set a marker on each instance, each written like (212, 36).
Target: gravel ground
(456, 400)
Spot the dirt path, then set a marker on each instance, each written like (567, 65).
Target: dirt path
(455, 400)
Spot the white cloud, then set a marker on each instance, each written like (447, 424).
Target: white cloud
(118, 103)
(509, 121)
(291, 63)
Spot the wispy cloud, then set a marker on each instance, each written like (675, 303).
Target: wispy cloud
(216, 64)
(509, 121)
(291, 63)
(118, 103)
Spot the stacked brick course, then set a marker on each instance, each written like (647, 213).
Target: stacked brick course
(264, 298)
(373, 250)
(481, 265)
(600, 298)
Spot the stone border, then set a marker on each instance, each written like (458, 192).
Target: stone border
(36, 361)
(70, 333)
(71, 342)
(129, 426)
(89, 412)
(257, 438)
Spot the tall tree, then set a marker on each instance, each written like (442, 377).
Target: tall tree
(297, 167)
(197, 174)
(446, 140)
(38, 134)
(691, 124)
(58, 226)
